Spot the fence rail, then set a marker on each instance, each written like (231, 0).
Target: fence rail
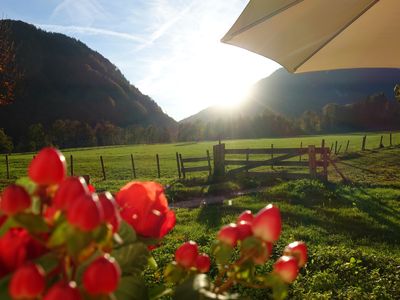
(146, 166)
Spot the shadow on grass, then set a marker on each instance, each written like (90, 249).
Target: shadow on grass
(354, 212)
(211, 215)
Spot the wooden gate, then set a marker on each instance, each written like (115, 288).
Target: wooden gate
(317, 157)
(183, 168)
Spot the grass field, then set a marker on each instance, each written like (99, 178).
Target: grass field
(352, 229)
(118, 162)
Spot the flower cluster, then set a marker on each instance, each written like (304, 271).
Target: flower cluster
(254, 236)
(59, 239)
(57, 234)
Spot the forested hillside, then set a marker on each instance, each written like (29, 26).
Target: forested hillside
(53, 85)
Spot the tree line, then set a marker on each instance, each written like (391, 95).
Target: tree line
(73, 133)
(371, 114)
(374, 113)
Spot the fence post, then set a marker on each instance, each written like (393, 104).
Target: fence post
(272, 155)
(390, 139)
(347, 146)
(158, 166)
(301, 147)
(177, 164)
(312, 161)
(381, 142)
(209, 162)
(336, 147)
(133, 167)
(71, 158)
(363, 143)
(102, 167)
(219, 159)
(322, 147)
(247, 159)
(7, 168)
(182, 166)
(325, 164)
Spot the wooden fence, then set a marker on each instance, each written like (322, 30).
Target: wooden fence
(277, 157)
(183, 170)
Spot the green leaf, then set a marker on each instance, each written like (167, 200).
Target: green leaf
(4, 282)
(100, 233)
(174, 273)
(132, 288)
(279, 288)
(158, 292)
(132, 258)
(60, 234)
(75, 239)
(26, 183)
(32, 223)
(9, 223)
(222, 253)
(152, 263)
(127, 234)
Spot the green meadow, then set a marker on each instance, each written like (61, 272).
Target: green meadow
(352, 229)
(118, 167)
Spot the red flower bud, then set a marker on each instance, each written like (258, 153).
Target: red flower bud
(110, 211)
(267, 224)
(264, 254)
(186, 254)
(286, 268)
(102, 276)
(27, 282)
(64, 291)
(244, 229)
(16, 247)
(145, 207)
(85, 212)
(70, 190)
(48, 167)
(15, 199)
(245, 216)
(229, 234)
(203, 263)
(299, 251)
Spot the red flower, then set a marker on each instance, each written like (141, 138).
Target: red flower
(16, 247)
(145, 207)
(28, 282)
(15, 199)
(102, 276)
(48, 167)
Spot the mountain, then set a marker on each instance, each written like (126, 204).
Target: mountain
(58, 77)
(292, 94)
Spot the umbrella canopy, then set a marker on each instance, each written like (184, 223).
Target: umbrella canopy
(314, 35)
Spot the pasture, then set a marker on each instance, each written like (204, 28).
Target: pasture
(352, 229)
(117, 160)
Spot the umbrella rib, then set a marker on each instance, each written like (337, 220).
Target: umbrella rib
(335, 35)
(255, 23)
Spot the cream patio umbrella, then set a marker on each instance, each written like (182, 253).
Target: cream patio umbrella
(314, 35)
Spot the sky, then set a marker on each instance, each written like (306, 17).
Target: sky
(169, 49)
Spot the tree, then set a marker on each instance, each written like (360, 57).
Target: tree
(36, 137)
(7, 67)
(6, 144)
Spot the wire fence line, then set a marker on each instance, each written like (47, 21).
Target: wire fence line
(145, 165)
